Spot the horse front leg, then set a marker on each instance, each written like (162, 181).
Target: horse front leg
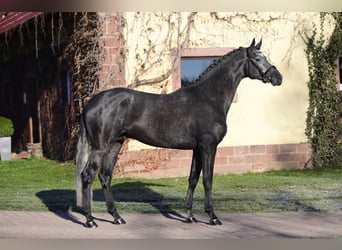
(208, 159)
(193, 179)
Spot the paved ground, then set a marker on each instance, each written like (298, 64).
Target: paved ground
(63, 225)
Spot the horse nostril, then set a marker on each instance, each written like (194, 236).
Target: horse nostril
(276, 81)
(276, 78)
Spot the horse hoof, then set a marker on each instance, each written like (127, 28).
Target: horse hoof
(91, 224)
(119, 221)
(215, 222)
(191, 220)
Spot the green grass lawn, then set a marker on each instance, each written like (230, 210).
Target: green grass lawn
(38, 185)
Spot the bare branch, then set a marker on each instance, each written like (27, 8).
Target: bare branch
(180, 48)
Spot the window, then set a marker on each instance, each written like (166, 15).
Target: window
(193, 62)
(65, 86)
(339, 74)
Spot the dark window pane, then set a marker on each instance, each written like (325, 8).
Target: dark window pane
(192, 67)
(340, 68)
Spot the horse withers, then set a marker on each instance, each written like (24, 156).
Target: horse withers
(193, 117)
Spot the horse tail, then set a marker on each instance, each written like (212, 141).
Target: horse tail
(82, 156)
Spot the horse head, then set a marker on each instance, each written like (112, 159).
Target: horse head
(258, 67)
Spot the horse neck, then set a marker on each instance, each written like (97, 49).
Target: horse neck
(221, 85)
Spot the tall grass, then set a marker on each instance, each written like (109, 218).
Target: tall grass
(38, 185)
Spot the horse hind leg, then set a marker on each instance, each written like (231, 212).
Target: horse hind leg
(88, 176)
(105, 176)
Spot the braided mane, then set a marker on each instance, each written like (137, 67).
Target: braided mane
(214, 65)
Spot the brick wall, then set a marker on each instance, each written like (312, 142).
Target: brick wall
(157, 163)
(113, 67)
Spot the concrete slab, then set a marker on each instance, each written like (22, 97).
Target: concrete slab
(69, 225)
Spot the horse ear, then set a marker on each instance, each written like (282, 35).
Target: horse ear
(252, 44)
(258, 45)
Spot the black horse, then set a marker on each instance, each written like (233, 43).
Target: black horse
(193, 117)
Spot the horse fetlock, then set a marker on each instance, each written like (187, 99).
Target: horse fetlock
(213, 218)
(90, 224)
(191, 219)
(215, 222)
(119, 221)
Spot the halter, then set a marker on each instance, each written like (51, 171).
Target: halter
(265, 77)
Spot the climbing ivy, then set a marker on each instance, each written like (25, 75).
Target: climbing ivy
(323, 125)
(84, 55)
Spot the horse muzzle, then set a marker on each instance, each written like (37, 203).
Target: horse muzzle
(273, 76)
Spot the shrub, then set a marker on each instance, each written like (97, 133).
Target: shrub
(323, 124)
(6, 127)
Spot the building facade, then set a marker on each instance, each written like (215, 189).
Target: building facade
(158, 52)
(266, 125)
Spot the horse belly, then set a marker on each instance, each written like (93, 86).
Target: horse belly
(163, 138)
(161, 132)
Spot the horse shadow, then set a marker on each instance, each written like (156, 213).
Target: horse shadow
(60, 201)
(141, 192)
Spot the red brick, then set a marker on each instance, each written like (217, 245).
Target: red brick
(220, 169)
(266, 158)
(111, 27)
(185, 163)
(112, 42)
(183, 154)
(105, 69)
(235, 160)
(221, 160)
(223, 151)
(165, 154)
(123, 157)
(303, 148)
(301, 157)
(283, 157)
(253, 159)
(111, 23)
(257, 149)
(238, 169)
(286, 148)
(274, 165)
(272, 149)
(111, 57)
(290, 165)
(258, 167)
(173, 163)
(241, 150)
